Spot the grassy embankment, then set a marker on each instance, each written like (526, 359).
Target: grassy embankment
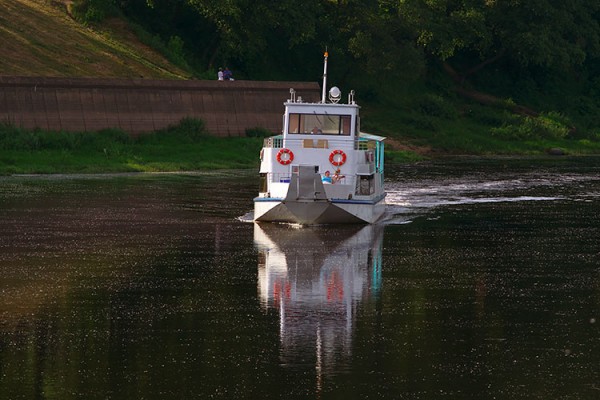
(437, 121)
(420, 118)
(185, 147)
(41, 38)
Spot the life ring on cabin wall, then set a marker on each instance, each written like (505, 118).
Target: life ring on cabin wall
(337, 158)
(285, 156)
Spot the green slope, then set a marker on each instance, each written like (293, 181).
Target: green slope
(40, 38)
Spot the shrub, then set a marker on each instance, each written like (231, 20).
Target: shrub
(506, 104)
(57, 140)
(258, 132)
(436, 106)
(420, 122)
(175, 47)
(26, 141)
(188, 130)
(401, 156)
(116, 135)
(192, 128)
(94, 11)
(12, 138)
(490, 116)
(548, 126)
(545, 126)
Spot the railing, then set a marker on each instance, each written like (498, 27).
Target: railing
(275, 142)
(372, 149)
(364, 144)
(359, 144)
(340, 181)
(284, 177)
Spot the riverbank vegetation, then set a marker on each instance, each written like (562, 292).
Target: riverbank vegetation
(436, 77)
(184, 147)
(187, 146)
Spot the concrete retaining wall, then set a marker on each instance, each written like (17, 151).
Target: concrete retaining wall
(141, 105)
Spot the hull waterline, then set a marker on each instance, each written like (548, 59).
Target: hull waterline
(318, 212)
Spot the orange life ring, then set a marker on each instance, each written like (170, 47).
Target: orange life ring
(337, 158)
(285, 156)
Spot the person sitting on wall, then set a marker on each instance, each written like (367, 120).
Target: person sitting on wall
(227, 74)
(326, 178)
(220, 74)
(337, 176)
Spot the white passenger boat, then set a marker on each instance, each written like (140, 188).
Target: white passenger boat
(298, 181)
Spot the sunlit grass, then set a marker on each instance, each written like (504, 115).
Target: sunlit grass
(185, 147)
(188, 147)
(469, 132)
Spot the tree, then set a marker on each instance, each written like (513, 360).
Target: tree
(543, 33)
(250, 29)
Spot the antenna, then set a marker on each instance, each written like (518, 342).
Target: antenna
(324, 76)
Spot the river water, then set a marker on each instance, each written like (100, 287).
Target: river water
(483, 282)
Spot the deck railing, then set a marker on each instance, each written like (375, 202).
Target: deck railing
(285, 178)
(277, 143)
(372, 148)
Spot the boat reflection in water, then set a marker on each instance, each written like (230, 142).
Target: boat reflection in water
(316, 277)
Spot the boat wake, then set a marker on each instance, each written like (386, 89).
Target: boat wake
(408, 201)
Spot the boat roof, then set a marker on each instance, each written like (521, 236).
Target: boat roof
(321, 107)
(370, 136)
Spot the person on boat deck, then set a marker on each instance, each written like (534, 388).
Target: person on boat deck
(326, 178)
(337, 177)
(227, 74)
(220, 74)
(316, 131)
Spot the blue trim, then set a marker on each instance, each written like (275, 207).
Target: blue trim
(267, 199)
(342, 201)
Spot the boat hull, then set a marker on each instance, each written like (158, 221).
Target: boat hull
(318, 211)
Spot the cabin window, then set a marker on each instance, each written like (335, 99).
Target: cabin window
(319, 124)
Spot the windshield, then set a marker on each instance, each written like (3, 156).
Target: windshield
(320, 124)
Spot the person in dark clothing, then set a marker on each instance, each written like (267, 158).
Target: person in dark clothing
(227, 75)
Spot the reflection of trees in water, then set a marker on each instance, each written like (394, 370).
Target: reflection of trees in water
(60, 233)
(316, 278)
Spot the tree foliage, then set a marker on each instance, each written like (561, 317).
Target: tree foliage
(541, 33)
(266, 39)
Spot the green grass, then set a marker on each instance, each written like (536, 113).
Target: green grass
(185, 147)
(189, 147)
(451, 125)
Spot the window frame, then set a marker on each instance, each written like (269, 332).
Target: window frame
(301, 123)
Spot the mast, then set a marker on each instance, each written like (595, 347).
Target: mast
(324, 77)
